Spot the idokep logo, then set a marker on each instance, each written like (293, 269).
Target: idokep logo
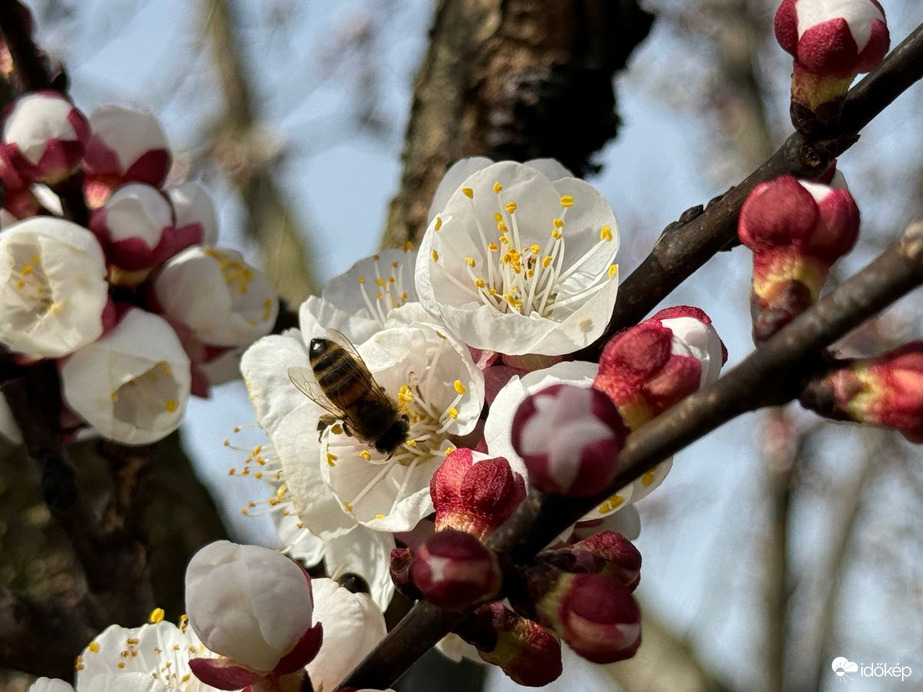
(845, 669)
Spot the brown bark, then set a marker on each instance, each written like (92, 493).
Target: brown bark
(512, 79)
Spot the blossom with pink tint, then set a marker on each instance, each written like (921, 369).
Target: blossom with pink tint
(796, 229)
(268, 630)
(647, 368)
(886, 390)
(126, 145)
(831, 41)
(569, 438)
(475, 493)
(453, 570)
(137, 230)
(193, 206)
(594, 614)
(44, 137)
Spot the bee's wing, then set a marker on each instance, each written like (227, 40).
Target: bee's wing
(306, 383)
(341, 339)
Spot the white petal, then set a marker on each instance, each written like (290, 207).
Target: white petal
(859, 15)
(35, 119)
(368, 554)
(50, 685)
(452, 180)
(353, 625)
(140, 211)
(193, 204)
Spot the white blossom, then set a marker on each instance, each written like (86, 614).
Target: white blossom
(50, 685)
(132, 384)
(151, 658)
(518, 263)
(219, 297)
(53, 288)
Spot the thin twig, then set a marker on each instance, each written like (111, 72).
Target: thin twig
(773, 375)
(685, 246)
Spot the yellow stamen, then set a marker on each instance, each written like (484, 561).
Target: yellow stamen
(459, 387)
(438, 223)
(605, 233)
(468, 192)
(567, 200)
(497, 187)
(156, 616)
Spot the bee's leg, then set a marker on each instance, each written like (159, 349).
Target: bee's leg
(323, 423)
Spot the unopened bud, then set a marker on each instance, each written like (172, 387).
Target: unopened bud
(886, 390)
(44, 137)
(646, 369)
(796, 230)
(569, 438)
(595, 614)
(527, 652)
(474, 493)
(831, 42)
(454, 570)
(402, 573)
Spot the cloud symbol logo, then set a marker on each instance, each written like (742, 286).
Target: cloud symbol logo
(841, 666)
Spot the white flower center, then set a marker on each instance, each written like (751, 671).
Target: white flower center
(528, 278)
(389, 291)
(143, 398)
(31, 297)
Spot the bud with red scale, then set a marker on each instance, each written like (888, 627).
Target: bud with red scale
(831, 41)
(796, 230)
(569, 438)
(527, 652)
(474, 493)
(886, 390)
(454, 570)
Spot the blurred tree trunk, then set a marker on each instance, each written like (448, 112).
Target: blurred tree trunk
(512, 79)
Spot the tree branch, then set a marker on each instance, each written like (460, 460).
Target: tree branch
(686, 245)
(773, 375)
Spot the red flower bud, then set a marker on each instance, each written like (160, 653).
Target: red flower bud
(527, 652)
(887, 390)
(475, 496)
(616, 556)
(595, 614)
(569, 438)
(454, 570)
(796, 230)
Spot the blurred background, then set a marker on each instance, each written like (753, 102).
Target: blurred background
(777, 543)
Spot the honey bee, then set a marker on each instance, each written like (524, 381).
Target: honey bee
(340, 382)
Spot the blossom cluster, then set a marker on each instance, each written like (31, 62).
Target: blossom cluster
(466, 346)
(113, 273)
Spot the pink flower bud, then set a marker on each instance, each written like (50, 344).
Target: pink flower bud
(126, 146)
(18, 197)
(595, 614)
(832, 41)
(136, 228)
(475, 497)
(796, 230)
(454, 570)
(646, 369)
(886, 390)
(527, 652)
(44, 137)
(569, 438)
